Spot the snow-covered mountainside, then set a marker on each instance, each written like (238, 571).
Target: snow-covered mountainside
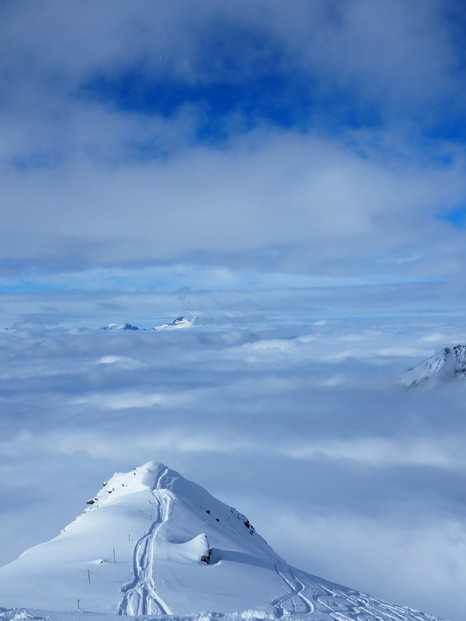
(448, 365)
(151, 542)
(179, 322)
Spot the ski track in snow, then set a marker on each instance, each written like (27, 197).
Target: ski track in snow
(140, 595)
(364, 608)
(299, 603)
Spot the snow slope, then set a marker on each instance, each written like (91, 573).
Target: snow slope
(151, 542)
(448, 365)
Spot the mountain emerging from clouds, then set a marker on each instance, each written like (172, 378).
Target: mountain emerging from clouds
(446, 366)
(151, 542)
(179, 322)
(119, 326)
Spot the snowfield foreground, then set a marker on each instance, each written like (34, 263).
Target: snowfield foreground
(152, 543)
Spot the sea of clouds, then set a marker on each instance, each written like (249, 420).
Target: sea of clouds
(296, 418)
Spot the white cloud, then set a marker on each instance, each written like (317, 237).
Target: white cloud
(381, 452)
(320, 202)
(326, 205)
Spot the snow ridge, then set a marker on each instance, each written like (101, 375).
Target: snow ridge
(140, 595)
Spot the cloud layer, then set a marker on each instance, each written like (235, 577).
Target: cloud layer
(301, 426)
(320, 138)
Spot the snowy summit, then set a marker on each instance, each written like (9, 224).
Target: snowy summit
(151, 542)
(448, 365)
(179, 322)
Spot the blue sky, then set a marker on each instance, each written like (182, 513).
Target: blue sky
(322, 138)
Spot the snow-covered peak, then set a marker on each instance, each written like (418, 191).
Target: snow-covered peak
(145, 478)
(179, 322)
(445, 366)
(154, 478)
(152, 542)
(119, 326)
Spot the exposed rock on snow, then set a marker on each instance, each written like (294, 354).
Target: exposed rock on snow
(179, 322)
(448, 365)
(151, 542)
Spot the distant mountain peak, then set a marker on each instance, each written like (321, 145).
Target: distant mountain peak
(119, 326)
(151, 542)
(445, 366)
(179, 322)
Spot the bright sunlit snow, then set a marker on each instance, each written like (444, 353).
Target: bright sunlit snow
(151, 542)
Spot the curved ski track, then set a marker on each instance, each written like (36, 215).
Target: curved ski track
(340, 605)
(298, 601)
(140, 595)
